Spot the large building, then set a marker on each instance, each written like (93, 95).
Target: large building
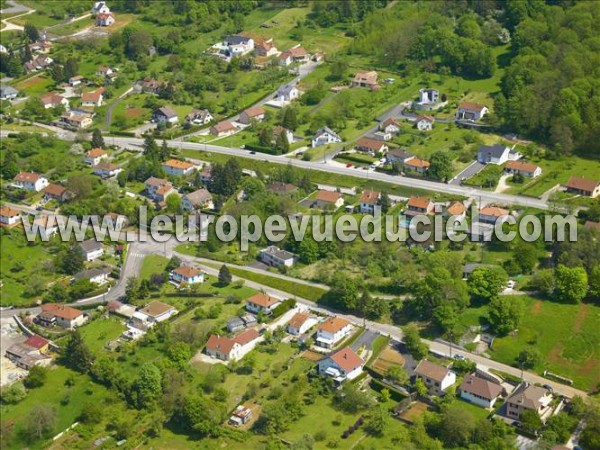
(276, 257)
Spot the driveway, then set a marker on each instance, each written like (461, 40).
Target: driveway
(472, 169)
(365, 340)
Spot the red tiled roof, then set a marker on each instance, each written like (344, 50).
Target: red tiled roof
(224, 126)
(96, 152)
(456, 209)
(263, 300)
(333, 324)
(328, 196)
(582, 184)
(347, 359)
(30, 177)
(220, 343)
(187, 271)
(480, 387)
(371, 144)
(419, 202)
(369, 197)
(255, 111)
(298, 320)
(521, 166)
(62, 311)
(177, 164)
(431, 370)
(471, 106)
(246, 336)
(7, 211)
(36, 342)
(493, 211)
(416, 162)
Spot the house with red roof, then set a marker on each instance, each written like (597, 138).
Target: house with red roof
(419, 205)
(300, 323)
(342, 365)
(187, 274)
(471, 111)
(256, 113)
(584, 186)
(30, 181)
(232, 349)
(261, 303)
(332, 330)
(368, 201)
(523, 168)
(64, 316)
(9, 217)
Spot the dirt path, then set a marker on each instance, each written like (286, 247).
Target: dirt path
(581, 315)
(537, 307)
(9, 26)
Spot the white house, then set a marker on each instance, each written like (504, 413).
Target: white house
(332, 331)
(254, 113)
(94, 156)
(30, 181)
(471, 111)
(261, 303)
(91, 249)
(274, 256)
(153, 184)
(371, 146)
(428, 96)
(97, 276)
(232, 349)
(177, 168)
(222, 129)
(391, 126)
(187, 274)
(100, 8)
(92, 99)
(325, 136)
(52, 99)
(158, 311)
(62, 315)
(8, 93)
(424, 123)
(239, 45)
(9, 217)
(529, 397)
(493, 154)
(342, 365)
(287, 93)
(523, 168)
(107, 170)
(493, 214)
(300, 323)
(166, 114)
(479, 391)
(325, 199)
(368, 201)
(199, 199)
(199, 117)
(105, 20)
(47, 226)
(437, 378)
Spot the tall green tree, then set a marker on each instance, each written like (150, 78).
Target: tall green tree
(440, 166)
(31, 32)
(148, 386)
(504, 314)
(485, 283)
(97, 139)
(76, 353)
(224, 276)
(571, 283)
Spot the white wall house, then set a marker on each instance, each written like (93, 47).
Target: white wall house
(274, 256)
(479, 391)
(493, 154)
(325, 136)
(342, 365)
(261, 303)
(30, 181)
(91, 249)
(332, 331)
(368, 201)
(187, 274)
(301, 323)
(177, 168)
(437, 378)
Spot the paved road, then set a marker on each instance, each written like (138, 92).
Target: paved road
(481, 195)
(365, 340)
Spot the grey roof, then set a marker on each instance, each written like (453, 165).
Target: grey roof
(91, 273)
(166, 111)
(199, 197)
(235, 40)
(7, 90)
(327, 130)
(470, 267)
(495, 151)
(285, 90)
(235, 321)
(90, 245)
(400, 153)
(277, 252)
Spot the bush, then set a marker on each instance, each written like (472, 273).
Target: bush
(36, 378)
(12, 395)
(284, 307)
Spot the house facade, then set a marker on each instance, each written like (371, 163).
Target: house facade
(107, 170)
(418, 206)
(177, 168)
(9, 217)
(493, 154)
(94, 156)
(368, 201)
(55, 192)
(479, 391)
(30, 181)
(471, 111)
(325, 136)
(331, 331)
(261, 303)
(91, 249)
(276, 257)
(166, 114)
(342, 365)
(187, 274)
(223, 129)
(424, 123)
(300, 323)
(523, 168)
(365, 79)
(256, 113)
(416, 165)
(197, 200)
(199, 117)
(96, 276)
(61, 315)
(329, 198)
(287, 93)
(583, 186)
(437, 378)
(93, 99)
(371, 146)
(493, 214)
(528, 397)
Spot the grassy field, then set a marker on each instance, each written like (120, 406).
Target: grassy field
(35, 85)
(567, 336)
(153, 264)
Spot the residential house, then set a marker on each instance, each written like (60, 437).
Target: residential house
(528, 397)
(115, 220)
(331, 331)
(417, 206)
(238, 45)
(177, 168)
(197, 200)
(300, 323)
(416, 165)
(223, 348)
(76, 80)
(429, 96)
(187, 274)
(279, 132)
(223, 129)
(9, 217)
(105, 20)
(368, 201)
(256, 113)
(199, 117)
(55, 192)
(328, 199)
(107, 170)
(437, 378)
(479, 391)
(41, 46)
(94, 157)
(235, 324)
(104, 71)
(166, 114)
(96, 276)
(100, 8)
(456, 209)
(37, 342)
(366, 79)
(91, 249)
(398, 155)
(8, 92)
(279, 187)
(391, 126)
(523, 168)
(285, 58)
(287, 93)
(493, 154)
(583, 186)
(299, 55)
(342, 365)
(371, 146)
(39, 62)
(93, 99)
(47, 226)
(325, 136)
(265, 48)
(150, 86)
(424, 123)
(471, 111)
(206, 173)
(52, 99)
(76, 121)
(153, 184)
(493, 214)
(274, 256)
(26, 355)
(261, 303)
(30, 181)
(162, 193)
(62, 315)
(158, 311)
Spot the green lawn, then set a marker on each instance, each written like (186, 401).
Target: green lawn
(153, 264)
(101, 331)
